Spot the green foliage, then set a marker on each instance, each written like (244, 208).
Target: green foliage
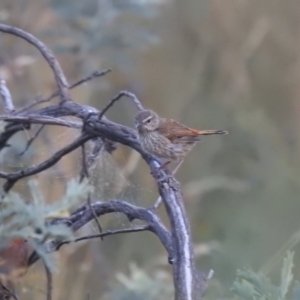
(256, 286)
(26, 219)
(139, 285)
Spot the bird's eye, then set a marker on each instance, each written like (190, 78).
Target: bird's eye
(148, 121)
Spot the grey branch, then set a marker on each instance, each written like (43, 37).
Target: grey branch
(6, 97)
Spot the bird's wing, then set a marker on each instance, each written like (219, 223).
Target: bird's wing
(175, 131)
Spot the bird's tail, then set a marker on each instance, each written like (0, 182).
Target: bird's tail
(210, 132)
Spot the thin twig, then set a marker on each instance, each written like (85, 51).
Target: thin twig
(133, 97)
(106, 233)
(55, 94)
(109, 105)
(6, 97)
(89, 201)
(31, 140)
(12, 178)
(61, 81)
(49, 281)
(88, 78)
(84, 168)
(98, 146)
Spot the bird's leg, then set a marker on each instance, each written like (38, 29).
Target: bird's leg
(162, 166)
(159, 200)
(155, 173)
(177, 166)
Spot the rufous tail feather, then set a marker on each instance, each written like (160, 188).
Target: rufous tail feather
(210, 132)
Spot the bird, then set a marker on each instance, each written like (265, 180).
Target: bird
(167, 139)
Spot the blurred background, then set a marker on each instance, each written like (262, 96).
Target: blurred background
(211, 64)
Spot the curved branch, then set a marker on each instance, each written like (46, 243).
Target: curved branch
(85, 214)
(61, 81)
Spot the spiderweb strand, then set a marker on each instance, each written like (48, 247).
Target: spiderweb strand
(85, 173)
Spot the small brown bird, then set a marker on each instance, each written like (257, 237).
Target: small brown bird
(166, 138)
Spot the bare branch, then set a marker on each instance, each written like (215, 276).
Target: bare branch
(38, 119)
(10, 130)
(109, 105)
(61, 81)
(12, 178)
(55, 94)
(135, 100)
(88, 78)
(105, 233)
(85, 214)
(6, 97)
(98, 146)
(31, 140)
(49, 281)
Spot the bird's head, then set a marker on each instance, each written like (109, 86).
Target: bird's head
(146, 120)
